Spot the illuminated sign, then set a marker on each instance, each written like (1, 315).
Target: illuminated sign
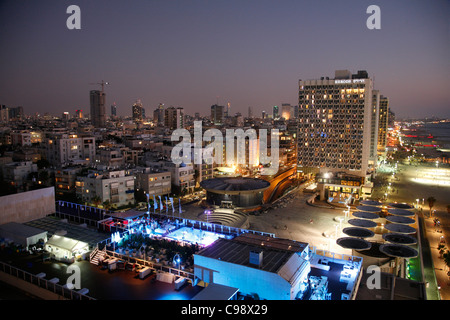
(349, 81)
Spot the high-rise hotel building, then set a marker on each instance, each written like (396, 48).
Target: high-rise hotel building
(335, 132)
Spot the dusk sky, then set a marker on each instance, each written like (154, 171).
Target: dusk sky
(193, 53)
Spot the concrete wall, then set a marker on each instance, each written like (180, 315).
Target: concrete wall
(27, 206)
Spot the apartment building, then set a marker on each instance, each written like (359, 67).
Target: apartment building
(68, 149)
(153, 181)
(116, 187)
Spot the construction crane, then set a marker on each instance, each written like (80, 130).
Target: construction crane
(102, 84)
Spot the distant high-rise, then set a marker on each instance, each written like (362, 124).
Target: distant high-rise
(174, 118)
(383, 122)
(16, 113)
(158, 115)
(113, 110)
(217, 114)
(98, 115)
(65, 116)
(79, 114)
(250, 112)
(138, 111)
(373, 155)
(334, 124)
(4, 113)
(275, 113)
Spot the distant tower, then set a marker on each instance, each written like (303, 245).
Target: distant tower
(250, 112)
(138, 111)
(174, 118)
(217, 114)
(113, 110)
(275, 113)
(158, 115)
(98, 114)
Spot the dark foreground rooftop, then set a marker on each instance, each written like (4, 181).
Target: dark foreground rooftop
(102, 284)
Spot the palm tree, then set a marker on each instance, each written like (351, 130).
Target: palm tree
(96, 200)
(446, 257)
(441, 248)
(106, 205)
(431, 200)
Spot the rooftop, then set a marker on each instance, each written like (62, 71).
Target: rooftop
(276, 252)
(235, 184)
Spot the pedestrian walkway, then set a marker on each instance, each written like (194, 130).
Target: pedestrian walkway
(434, 239)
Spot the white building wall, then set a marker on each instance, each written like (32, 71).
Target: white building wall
(267, 285)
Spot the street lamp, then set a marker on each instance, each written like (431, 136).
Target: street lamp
(207, 212)
(177, 260)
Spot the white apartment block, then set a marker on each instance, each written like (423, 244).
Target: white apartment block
(182, 176)
(334, 125)
(153, 182)
(17, 172)
(68, 149)
(113, 186)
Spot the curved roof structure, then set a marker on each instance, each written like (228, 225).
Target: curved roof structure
(363, 223)
(401, 205)
(369, 208)
(365, 215)
(400, 212)
(353, 243)
(398, 238)
(400, 228)
(358, 232)
(234, 184)
(400, 219)
(370, 203)
(398, 251)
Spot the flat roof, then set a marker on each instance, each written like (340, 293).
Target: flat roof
(215, 291)
(270, 242)
(19, 229)
(234, 184)
(53, 225)
(276, 251)
(238, 252)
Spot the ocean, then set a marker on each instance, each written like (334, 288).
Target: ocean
(440, 131)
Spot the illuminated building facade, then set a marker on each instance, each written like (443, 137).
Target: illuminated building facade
(174, 118)
(138, 111)
(114, 186)
(334, 125)
(69, 148)
(274, 269)
(383, 121)
(217, 114)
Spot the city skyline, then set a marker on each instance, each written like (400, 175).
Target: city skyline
(194, 55)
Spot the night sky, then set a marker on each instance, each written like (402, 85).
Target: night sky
(193, 53)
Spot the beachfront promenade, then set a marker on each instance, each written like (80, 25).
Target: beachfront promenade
(414, 185)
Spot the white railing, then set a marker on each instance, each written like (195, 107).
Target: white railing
(43, 283)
